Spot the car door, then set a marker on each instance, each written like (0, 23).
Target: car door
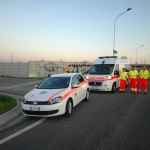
(117, 79)
(77, 94)
(82, 86)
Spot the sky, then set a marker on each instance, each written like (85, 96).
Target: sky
(74, 30)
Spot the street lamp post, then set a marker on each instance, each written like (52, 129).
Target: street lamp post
(147, 60)
(136, 53)
(144, 58)
(114, 51)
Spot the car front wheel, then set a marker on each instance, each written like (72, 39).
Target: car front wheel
(68, 108)
(87, 95)
(113, 90)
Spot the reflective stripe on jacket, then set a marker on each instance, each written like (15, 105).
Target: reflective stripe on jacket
(123, 75)
(133, 74)
(144, 74)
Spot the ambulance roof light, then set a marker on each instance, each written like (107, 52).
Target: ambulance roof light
(103, 61)
(102, 57)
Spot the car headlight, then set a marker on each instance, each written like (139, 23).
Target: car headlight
(23, 100)
(55, 100)
(87, 77)
(108, 77)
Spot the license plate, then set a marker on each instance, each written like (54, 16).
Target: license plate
(34, 108)
(95, 87)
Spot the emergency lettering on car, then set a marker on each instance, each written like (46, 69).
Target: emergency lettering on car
(102, 78)
(68, 93)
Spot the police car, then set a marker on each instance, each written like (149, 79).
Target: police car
(56, 95)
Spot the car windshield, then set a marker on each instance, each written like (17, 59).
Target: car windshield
(54, 83)
(101, 69)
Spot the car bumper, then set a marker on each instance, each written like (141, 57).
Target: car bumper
(105, 86)
(43, 110)
(94, 88)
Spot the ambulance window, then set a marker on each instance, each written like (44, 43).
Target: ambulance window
(101, 69)
(117, 68)
(93, 69)
(111, 68)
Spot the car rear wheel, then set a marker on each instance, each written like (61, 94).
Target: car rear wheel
(68, 108)
(87, 95)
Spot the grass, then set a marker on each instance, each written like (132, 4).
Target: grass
(6, 103)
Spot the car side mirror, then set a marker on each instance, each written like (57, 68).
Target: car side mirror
(35, 86)
(75, 86)
(116, 73)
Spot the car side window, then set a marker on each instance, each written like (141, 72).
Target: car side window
(116, 70)
(117, 67)
(74, 80)
(80, 78)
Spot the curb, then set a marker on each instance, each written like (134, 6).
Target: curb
(8, 116)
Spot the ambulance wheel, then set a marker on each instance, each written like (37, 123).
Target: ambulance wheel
(68, 108)
(113, 90)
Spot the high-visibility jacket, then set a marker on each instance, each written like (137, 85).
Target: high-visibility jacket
(133, 74)
(123, 75)
(144, 74)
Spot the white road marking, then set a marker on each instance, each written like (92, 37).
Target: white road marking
(22, 131)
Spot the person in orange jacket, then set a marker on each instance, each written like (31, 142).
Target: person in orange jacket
(143, 75)
(133, 75)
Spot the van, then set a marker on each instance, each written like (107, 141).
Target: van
(103, 75)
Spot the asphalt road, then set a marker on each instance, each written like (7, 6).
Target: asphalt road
(119, 121)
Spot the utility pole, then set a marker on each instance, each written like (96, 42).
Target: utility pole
(11, 57)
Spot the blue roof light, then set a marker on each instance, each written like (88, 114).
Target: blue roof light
(49, 75)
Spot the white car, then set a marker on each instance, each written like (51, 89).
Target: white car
(56, 95)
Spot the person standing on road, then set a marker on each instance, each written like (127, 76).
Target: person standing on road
(143, 75)
(123, 80)
(133, 75)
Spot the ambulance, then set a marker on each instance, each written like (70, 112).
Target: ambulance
(103, 75)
